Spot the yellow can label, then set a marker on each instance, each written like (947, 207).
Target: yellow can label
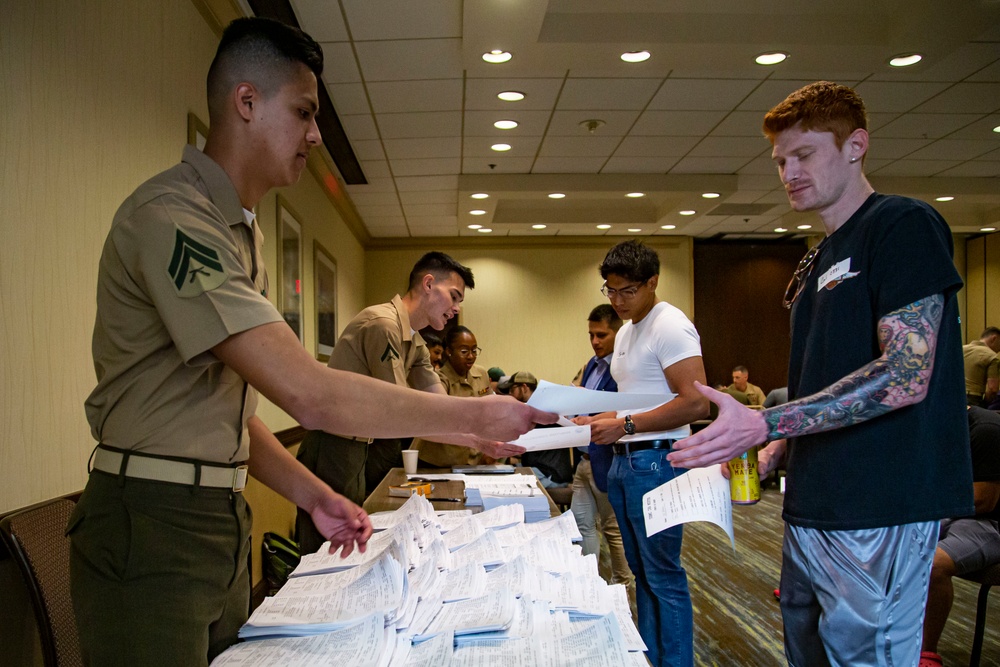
(744, 481)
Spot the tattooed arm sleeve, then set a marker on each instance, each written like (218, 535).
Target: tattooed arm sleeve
(900, 377)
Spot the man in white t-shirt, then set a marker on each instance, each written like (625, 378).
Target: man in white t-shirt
(658, 351)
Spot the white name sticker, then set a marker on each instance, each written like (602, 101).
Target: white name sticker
(836, 272)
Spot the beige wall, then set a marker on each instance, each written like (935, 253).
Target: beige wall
(530, 305)
(982, 260)
(95, 98)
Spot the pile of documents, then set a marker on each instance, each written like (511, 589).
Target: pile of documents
(447, 589)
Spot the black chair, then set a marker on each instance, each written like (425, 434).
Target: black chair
(35, 537)
(987, 578)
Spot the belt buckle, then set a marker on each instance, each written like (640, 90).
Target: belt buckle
(240, 478)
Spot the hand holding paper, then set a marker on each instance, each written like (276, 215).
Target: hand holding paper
(701, 494)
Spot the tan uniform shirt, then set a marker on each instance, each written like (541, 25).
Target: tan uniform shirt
(379, 343)
(174, 281)
(981, 364)
(444, 455)
(754, 393)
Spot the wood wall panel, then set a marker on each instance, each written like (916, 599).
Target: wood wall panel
(991, 282)
(975, 287)
(738, 312)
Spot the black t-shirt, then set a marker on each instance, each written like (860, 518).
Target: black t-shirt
(911, 464)
(984, 436)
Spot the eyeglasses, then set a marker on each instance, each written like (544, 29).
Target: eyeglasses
(465, 351)
(798, 281)
(624, 293)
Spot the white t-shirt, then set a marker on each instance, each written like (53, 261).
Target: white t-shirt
(642, 351)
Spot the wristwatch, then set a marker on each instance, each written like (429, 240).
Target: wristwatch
(629, 425)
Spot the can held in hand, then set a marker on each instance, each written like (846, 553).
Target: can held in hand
(744, 482)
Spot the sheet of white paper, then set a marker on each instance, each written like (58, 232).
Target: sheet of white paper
(568, 400)
(539, 439)
(701, 494)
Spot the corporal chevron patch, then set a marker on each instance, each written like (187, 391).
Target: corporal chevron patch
(390, 353)
(194, 267)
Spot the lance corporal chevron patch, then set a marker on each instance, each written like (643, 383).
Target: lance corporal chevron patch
(390, 353)
(195, 267)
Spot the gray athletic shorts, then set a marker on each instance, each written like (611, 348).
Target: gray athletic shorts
(855, 597)
(971, 543)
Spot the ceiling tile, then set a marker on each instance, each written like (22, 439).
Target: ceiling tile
(969, 97)
(762, 165)
(340, 65)
(910, 167)
(639, 165)
(368, 150)
(990, 73)
(414, 211)
(709, 165)
(418, 125)
(376, 169)
(567, 165)
(607, 93)
(420, 183)
(407, 96)
(375, 198)
(530, 122)
(676, 123)
(975, 169)
(503, 165)
(438, 147)
(359, 127)
(410, 59)
(770, 93)
(877, 120)
(572, 123)
(426, 167)
(598, 147)
(374, 185)
(925, 126)
(322, 20)
(349, 98)
(740, 124)
(981, 130)
(889, 96)
(417, 232)
(380, 211)
(958, 64)
(890, 148)
(952, 149)
(480, 147)
(702, 94)
(655, 146)
(430, 197)
(481, 94)
(731, 147)
(402, 19)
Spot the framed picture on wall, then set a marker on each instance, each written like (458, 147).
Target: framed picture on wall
(325, 273)
(290, 267)
(197, 132)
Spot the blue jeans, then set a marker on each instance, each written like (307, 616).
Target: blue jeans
(662, 597)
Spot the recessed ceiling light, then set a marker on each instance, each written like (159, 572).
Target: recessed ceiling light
(496, 56)
(710, 195)
(505, 124)
(477, 211)
(538, 226)
(511, 96)
(688, 212)
(771, 58)
(780, 230)
(479, 195)
(635, 56)
(634, 230)
(997, 128)
(988, 229)
(804, 227)
(475, 226)
(905, 60)
(556, 195)
(500, 147)
(604, 226)
(945, 198)
(484, 230)
(636, 195)
(669, 227)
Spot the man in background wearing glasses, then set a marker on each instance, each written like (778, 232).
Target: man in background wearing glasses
(878, 447)
(658, 351)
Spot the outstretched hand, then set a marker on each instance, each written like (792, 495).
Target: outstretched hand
(342, 522)
(498, 450)
(734, 431)
(503, 418)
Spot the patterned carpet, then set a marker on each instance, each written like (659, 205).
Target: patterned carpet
(736, 617)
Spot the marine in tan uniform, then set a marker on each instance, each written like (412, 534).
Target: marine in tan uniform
(460, 376)
(755, 395)
(184, 338)
(383, 342)
(982, 368)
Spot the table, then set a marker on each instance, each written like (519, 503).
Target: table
(381, 501)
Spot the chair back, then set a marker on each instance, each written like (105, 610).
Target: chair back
(986, 578)
(36, 539)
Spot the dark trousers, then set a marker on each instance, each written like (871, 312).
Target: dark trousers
(158, 571)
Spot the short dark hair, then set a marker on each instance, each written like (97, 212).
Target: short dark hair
(440, 265)
(263, 52)
(741, 369)
(631, 260)
(989, 331)
(605, 313)
(455, 333)
(432, 340)
(823, 107)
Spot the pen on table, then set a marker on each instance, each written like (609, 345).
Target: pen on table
(447, 500)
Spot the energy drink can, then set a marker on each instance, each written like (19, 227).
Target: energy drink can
(744, 482)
